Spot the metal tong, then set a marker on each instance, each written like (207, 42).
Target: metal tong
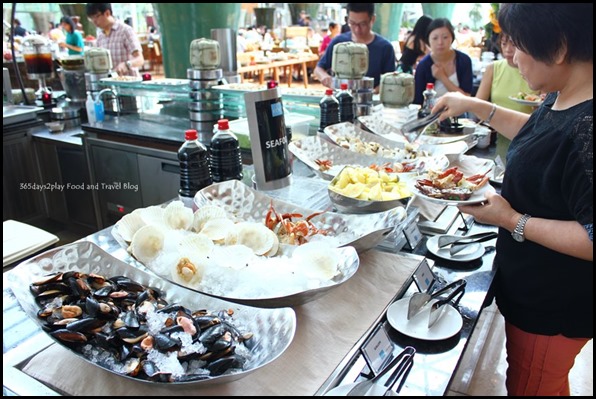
(401, 371)
(437, 308)
(403, 362)
(444, 241)
(419, 299)
(417, 126)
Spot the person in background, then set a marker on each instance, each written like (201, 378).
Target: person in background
(74, 40)
(381, 56)
(333, 30)
(415, 45)
(301, 18)
(56, 34)
(345, 27)
(18, 29)
(502, 80)
(128, 21)
(306, 21)
(545, 249)
(119, 38)
(449, 69)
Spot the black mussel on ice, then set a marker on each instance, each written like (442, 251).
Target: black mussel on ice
(131, 329)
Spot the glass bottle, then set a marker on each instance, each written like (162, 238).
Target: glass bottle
(346, 104)
(430, 97)
(194, 167)
(225, 155)
(329, 110)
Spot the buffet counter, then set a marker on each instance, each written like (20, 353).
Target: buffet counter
(326, 351)
(327, 329)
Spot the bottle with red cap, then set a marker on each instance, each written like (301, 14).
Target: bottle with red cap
(194, 167)
(226, 158)
(329, 110)
(430, 97)
(346, 104)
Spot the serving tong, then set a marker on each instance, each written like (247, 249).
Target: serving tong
(412, 130)
(420, 299)
(446, 240)
(403, 364)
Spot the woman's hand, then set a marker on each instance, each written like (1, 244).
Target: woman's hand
(439, 72)
(495, 211)
(455, 104)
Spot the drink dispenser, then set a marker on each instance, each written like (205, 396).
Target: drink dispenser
(350, 60)
(268, 139)
(204, 54)
(397, 89)
(98, 60)
(37, 53)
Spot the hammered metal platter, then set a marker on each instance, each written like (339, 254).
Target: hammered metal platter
(377, 126)
(313, 148)
(362, 232)
(273, 329)
(348, 266)
(349, 234)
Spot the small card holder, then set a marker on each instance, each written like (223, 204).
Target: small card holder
(424, 277)
(413, 235)
(378, 349)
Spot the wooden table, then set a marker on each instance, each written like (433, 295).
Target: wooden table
(276, 65)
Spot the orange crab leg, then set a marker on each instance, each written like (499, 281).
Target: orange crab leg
(448, 172)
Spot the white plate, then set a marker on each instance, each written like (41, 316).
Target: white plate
(471, 252)
(526, 102)
(476, 198)
(447, 326)
(342, 390)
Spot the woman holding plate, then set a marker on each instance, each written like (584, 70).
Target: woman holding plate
(544, 280)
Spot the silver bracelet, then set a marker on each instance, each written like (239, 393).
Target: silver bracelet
(490, 116)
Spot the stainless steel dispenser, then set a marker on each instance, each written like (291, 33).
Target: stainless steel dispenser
(206, 107)
(227, 46)
(269, 142)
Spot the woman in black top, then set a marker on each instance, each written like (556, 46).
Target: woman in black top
(415, 45)
(544, 279)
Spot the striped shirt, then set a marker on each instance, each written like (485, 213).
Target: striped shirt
(122, 42)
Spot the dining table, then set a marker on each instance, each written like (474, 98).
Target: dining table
(276, 66)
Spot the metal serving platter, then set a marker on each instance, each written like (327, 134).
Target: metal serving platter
(348, 130)
(273, 329)
(312, 148)
(362, 232)
(378, 126)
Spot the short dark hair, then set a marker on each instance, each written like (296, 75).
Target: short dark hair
(332, 25)
(94, 8)
(542, 30)
(361, 7)
(440, 23)
(69, 22)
